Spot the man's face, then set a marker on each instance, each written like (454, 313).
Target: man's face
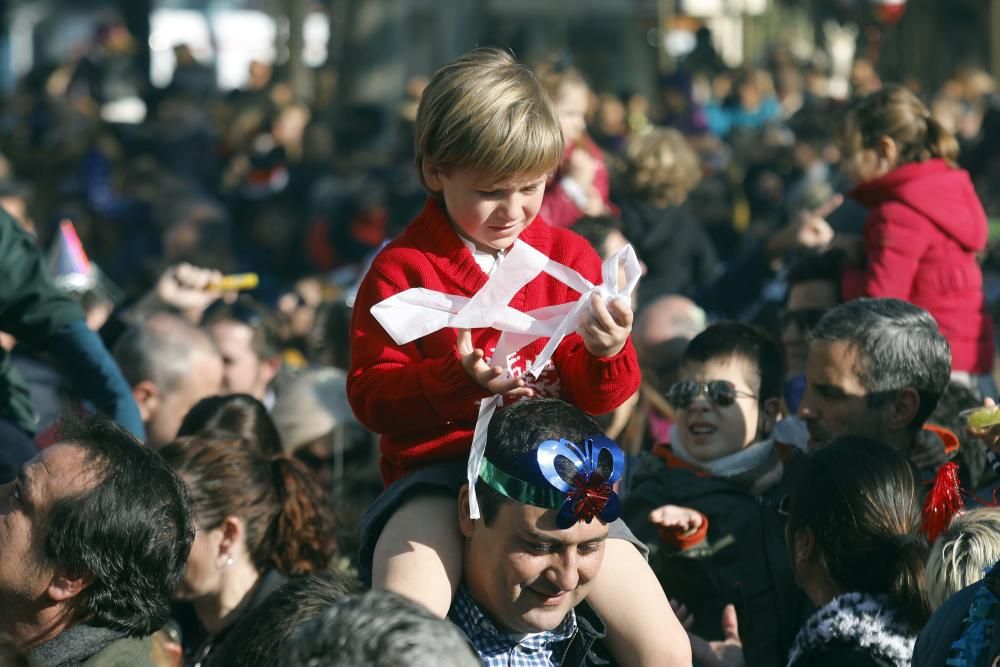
(524, 571)
(807, 301)
(835, 402)
(243, 370)
(55, 473)
(204, 380)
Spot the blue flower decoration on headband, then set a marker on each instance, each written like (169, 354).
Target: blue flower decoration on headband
(585, 473)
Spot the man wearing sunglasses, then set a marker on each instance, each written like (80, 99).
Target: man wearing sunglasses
(722, 463)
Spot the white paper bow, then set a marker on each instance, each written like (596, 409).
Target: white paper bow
(417, 312)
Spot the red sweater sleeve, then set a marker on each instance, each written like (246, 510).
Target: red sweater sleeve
(595, 385)
(395, 389)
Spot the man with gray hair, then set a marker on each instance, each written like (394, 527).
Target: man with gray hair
(876, 367)
(378, 629)
(170, 365)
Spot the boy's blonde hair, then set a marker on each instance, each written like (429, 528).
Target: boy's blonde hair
(961, 556)
(661, 167)
(487, 112)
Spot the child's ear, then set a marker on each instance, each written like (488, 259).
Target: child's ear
(432, 176)
(769, 416)
(888, 150)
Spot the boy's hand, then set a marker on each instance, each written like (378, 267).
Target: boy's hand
(490, 379)
(676, 517)
(605, 329)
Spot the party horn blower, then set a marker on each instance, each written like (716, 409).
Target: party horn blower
(236, 282)
(68, 262)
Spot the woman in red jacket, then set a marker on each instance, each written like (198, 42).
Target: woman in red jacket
(925, 224)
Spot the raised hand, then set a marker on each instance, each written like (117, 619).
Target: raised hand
(605, 328)
(490, 379)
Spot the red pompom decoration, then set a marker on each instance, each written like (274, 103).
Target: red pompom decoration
(589, 496)
(943, 502)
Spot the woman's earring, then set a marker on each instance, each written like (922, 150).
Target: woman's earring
(229, 561)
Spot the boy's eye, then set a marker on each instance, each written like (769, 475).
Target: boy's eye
(490, 193)
(589, 548)
(530, 190)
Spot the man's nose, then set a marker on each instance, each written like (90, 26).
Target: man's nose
(564, 572)
(807, 410)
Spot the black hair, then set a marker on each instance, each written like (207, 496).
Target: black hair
(239, 414)
(861, 502)
(743, 341)
(518, 429)
(130, 534)
(259, 637)
(817, 267)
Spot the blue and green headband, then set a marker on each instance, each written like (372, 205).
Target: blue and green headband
(574, 479)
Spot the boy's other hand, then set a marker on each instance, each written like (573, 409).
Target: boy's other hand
(605, 328)
(490, 379)
(684, 519)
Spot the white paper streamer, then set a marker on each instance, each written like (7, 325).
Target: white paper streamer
(417, 312)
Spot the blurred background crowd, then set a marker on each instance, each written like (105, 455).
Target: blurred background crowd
(187, 140)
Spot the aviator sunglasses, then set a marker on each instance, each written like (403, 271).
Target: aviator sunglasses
(720, 392)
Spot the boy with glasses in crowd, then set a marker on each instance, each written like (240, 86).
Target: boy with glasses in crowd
(707, 501)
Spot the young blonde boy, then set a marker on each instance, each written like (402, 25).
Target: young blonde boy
(487, 140)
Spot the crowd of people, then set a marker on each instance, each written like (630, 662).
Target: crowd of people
(527, 375)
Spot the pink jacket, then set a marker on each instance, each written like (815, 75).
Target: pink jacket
(924, 227)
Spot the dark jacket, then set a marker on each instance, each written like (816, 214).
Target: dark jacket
(587, 646)
(743, 560)
(951, 623)
(201, 647)
(679, 255)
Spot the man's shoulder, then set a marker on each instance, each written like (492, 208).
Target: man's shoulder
(124, 652)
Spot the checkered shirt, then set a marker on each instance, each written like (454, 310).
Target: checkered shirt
(498, 649)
